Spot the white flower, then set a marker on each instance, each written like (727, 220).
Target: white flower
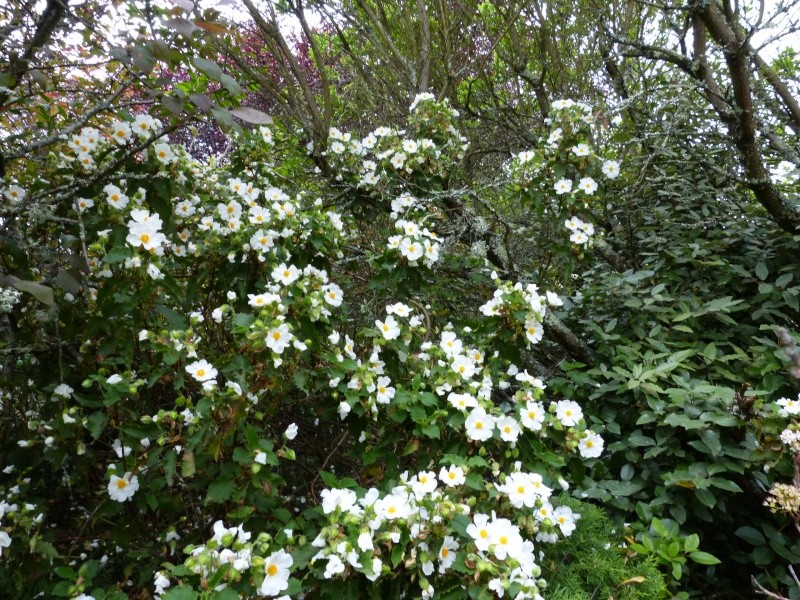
(286, 275)
(335, 566)
(508, 428)
(410, 146)
(411, 249)
(120, 132)
(788, 407)
(389, 328)
(563, 186)
(164, 153)
(611, 169)
(62, 389)
(14, 193)
(452, 476)
(123, 488)
(334, 498)
(565, 518)
(201, 370)
(425, 483)
(291, 432)
(279, 338)
(399, 309)
(506, 539)
(114, 379)
(83, 203)
(462, 401)
(588, 186)
(480, 532)
(534, 331)
(398, 160)
(5, 539)
(365, 541)
(479, 425)
(115, 197)
(532, 416)
(333, 294)
(384, 391)
(276, 573)
(265, 299)
(261, 458)
(591, 445)
(581, 150)
(344, 409)
(578, 237)
(392, 506)
(568, 412)
(553, 299)
(450, 344)
(464, 366)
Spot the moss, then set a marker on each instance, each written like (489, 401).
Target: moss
(589, 564)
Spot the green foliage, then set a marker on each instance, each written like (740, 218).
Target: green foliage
(595, 564)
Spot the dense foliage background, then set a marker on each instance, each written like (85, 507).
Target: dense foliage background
(254, 255)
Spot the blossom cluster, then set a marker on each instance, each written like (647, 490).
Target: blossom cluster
(513, 300)
(418, 516)
(568, 157)
(84, 145)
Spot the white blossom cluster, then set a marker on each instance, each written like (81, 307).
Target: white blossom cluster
(9, 297)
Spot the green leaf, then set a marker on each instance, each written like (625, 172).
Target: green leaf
(432, 431)
(221, 489)
(188, 467)
(143, 58)
(706, 497)
(711, 439)
(67, 282)
(223, 117)
(725, 484)
(761, 270)
(208, 68)
(230, 84)
(41, 292)
(183, 26)
(175, 320)
(474, 481)
(704, 558)
(251, 115)
(172, 104)
(750, 535)
(95, 423)
(397, 555)
(170, 463)
(691, 543)
(180, 593)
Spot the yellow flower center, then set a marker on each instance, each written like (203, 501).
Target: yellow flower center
(145, 238)
(271, 570)
(122, 484)
(201, 372)
(445, 552)
(478, 425)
